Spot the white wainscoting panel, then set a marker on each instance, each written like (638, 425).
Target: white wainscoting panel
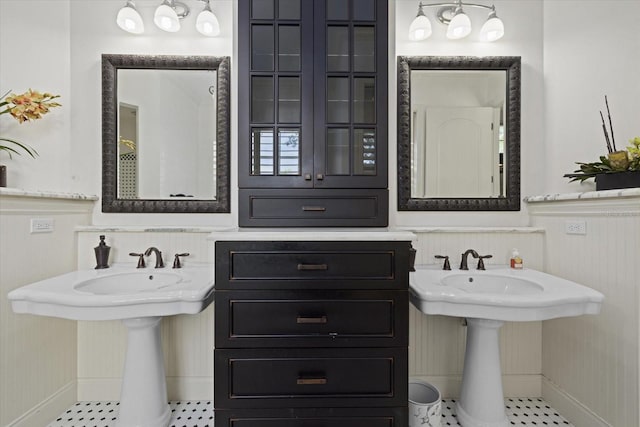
(37, 354)
(595, 359)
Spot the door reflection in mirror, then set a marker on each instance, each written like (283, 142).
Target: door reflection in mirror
(167, 134)
(457, 133)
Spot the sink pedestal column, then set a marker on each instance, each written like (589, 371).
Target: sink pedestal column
(143, 400)
(481, 402)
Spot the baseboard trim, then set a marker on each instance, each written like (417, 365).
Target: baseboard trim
(516, 385)
(50, 408)
(178, 388)
(570, 408)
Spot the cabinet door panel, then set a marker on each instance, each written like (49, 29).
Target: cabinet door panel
(262, 9)
(293, 318)
(262, 47)
(312, 417)
(275, 127)
(345, 377)
(362, 61)
(289, 48)
(289, 9)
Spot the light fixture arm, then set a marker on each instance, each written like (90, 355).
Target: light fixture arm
(448, 9)
(181, 9)
(207, 5)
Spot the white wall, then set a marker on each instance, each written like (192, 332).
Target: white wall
(592, 363)
(591, 49)
(94, 32)
(37, 354)
(523, 37)
(34, 53)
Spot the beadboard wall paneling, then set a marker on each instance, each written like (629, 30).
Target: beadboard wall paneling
(437, 343)
(595, 359)
(37, 354)
(187, 340)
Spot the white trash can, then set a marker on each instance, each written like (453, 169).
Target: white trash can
(425, 405)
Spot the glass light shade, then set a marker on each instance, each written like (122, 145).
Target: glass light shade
(492, 30)
(130, 20)
(420, 28)
(166, 18)
(207, 23)
(459, 27)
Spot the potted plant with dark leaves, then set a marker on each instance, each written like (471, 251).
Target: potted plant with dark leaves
(618, 169)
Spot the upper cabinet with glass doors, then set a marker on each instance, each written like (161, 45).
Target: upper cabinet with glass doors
(313, 113)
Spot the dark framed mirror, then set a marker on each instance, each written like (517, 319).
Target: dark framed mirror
(165, 134)
(459, 133)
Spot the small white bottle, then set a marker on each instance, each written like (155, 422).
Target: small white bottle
(516, 260)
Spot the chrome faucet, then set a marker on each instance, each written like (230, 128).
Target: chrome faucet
(463, 262)
(159, 262)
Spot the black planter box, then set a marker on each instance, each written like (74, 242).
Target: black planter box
(612, 181)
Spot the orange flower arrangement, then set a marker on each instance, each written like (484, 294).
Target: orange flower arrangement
(31, 105)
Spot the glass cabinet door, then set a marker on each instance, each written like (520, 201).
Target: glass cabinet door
(351, 118)
(313, 93)
(276, 128)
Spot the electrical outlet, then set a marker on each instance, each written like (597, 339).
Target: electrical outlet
(41, 225)
(575, 227)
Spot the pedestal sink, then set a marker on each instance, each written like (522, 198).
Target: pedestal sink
(487, 299)
(138, 297)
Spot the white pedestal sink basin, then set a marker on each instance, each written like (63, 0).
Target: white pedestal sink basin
(138, 297)
(487, 299)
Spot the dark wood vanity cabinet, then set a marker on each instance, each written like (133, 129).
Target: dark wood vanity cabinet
(311, 334)
(312, 103)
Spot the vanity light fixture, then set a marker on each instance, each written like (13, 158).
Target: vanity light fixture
(129, 19)
(207, 22)
(167, 17)
(458, 22)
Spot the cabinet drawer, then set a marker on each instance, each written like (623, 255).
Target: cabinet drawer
(311, 319)
(308, 417)
(309, 265)
(310, 377)
(316, 208)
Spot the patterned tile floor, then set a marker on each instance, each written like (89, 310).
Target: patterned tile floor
(527, 412)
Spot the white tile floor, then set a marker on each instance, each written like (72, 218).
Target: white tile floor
(526, 412)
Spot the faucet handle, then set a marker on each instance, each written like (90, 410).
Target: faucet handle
(140, 259)
(176, 260)
(446, 265)
(481, 259)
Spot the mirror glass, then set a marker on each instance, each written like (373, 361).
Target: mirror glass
(165, 134)
(458, 133)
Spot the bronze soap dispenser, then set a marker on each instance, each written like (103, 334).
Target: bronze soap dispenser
(102, 254)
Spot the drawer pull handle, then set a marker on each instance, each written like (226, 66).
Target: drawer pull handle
(311, 320)
(312, 267)
(311, 381)
(314, 208)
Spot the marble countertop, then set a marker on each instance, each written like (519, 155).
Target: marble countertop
(316, 234)
(17, 192)
(589, 195)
